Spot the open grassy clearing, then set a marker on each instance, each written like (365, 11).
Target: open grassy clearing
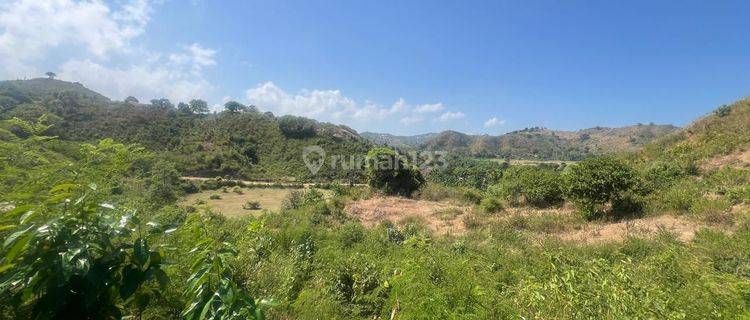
(231, 203)
(440, 217)
(565, 223)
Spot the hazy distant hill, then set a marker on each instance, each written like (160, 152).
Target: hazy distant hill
(249, 144)
(534, 143)
(400, 142)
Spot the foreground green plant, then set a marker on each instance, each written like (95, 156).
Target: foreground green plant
(73, 257)
(211, 291)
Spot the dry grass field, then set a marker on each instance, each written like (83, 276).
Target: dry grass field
(231, 203)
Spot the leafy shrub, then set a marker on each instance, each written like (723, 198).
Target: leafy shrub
(467, 172)
(211, 290)
(237, 190)
(388, 173)
(490, 205)
(79, 260)
(351, 233)
(214, 197)
(536, 186)
(251, 205)
(723, 111)
(472, 196)
(189, 187)
(663, 173)
(301, 198)
(597, 181)
(680, 197)
(163, 183)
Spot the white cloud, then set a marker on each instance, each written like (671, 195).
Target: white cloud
(411, 120)
(451, 116)
(332, 105)
(427, 108)
(494, 121)
(144, 80)
(29, 29)
(305, 103)
(99, 42)
(196, 56)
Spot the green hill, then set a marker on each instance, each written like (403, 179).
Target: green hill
(248, 144)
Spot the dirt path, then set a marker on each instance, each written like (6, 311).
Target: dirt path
(264, 183)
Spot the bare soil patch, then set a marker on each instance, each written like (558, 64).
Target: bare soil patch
(563, 223)
(599, 232)
(440, 217)
(739, 159)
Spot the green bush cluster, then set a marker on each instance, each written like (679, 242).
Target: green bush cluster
(388, 173)
(533, 185)
(595, 182)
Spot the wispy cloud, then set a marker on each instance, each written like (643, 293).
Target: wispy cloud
(451, 116)
(493, 122)
(333, 105)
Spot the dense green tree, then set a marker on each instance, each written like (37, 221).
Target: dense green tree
(162, 103)
(198, 106)
(131, 100)
(297, 127)
(184, 108)
(388, 173)
(234, 107)
(459, 171)
(597, 181)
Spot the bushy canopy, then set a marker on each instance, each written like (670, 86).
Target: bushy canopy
(597, 181)
(387, 172)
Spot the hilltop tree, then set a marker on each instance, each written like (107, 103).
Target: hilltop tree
(183, 107)
(131, 100)
(162, 103)
(234, 107)
(198, 106)
(51, 75)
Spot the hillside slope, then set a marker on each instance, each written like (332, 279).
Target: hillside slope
(399, 142)
(717, 139)
(248, 144)
(545, 144)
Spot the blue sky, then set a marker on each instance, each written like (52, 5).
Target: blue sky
(403, 67)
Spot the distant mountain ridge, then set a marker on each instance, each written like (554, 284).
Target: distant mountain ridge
(533, 143)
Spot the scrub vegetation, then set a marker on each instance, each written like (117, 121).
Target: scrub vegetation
(94, 226)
